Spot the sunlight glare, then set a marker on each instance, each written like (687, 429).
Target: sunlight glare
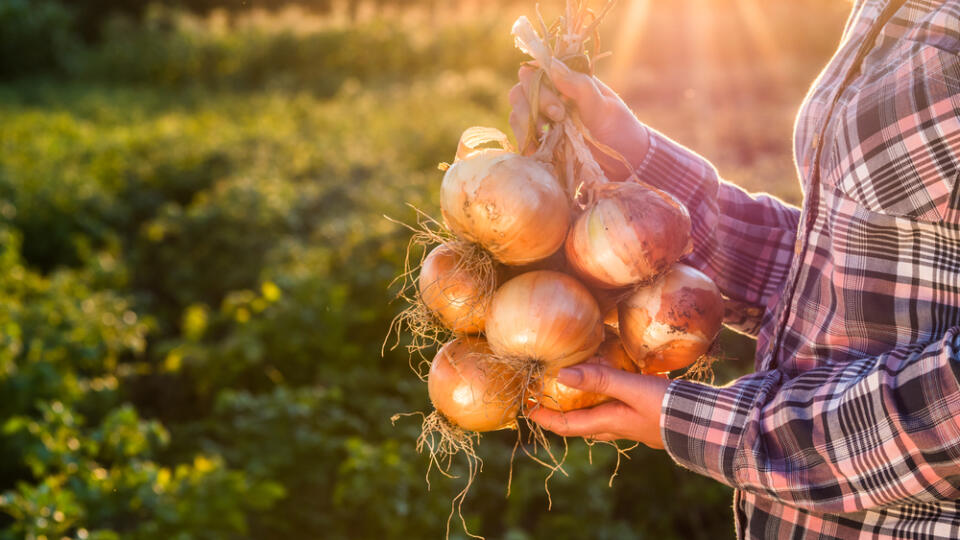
(701, 32)
(628, 42)
(759, 31)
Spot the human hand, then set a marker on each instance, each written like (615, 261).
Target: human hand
(601, 110)
(635, 414)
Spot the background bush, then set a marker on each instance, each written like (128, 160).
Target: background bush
(37, 36)
(194, 263)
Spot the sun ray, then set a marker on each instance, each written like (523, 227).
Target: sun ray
(760, 33)
(700, 30)
(627, 44)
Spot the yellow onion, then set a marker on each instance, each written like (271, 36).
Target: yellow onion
(512, 205)
(560, 397)
(454, 292)
(631, 234)
(669, 324)
(472, 391)
(546, 317)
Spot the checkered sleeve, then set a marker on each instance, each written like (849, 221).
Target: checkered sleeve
(868, 434)
(743, 242)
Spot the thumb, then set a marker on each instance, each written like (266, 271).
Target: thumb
(577, 86)
(599, 379)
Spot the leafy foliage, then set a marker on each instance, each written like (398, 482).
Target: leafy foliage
(35, 35)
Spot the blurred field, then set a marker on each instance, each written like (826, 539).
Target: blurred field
(194, 263)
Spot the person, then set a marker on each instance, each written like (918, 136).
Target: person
(850, 424)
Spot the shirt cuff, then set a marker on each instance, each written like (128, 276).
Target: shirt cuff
(675, 169)
(702, 426)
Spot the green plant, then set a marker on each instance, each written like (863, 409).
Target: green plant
(36, 36)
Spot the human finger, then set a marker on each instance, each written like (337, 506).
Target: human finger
(601, 379)
(603, 418)
(519, 116)
(604, 89)
(550, 104)
(579, 87)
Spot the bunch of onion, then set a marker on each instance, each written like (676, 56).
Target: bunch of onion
(508, 210)
(517, 306)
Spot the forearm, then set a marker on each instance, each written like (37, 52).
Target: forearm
(874, 432)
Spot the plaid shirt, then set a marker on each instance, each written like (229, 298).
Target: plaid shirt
(850, 425)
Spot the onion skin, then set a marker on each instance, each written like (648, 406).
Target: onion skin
(671, 323)
(473, 394)
(556, 262)
(630, 235)
(510, 204)
(544, 316)
(611, 319)
(452, 292)
(560, 397)
(607, 300)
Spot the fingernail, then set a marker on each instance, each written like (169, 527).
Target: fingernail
(570, 376)
(555, 112)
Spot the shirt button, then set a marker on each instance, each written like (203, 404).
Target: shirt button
(814, 141)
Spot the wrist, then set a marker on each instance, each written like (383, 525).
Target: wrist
(651, 408)
(633, 145)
